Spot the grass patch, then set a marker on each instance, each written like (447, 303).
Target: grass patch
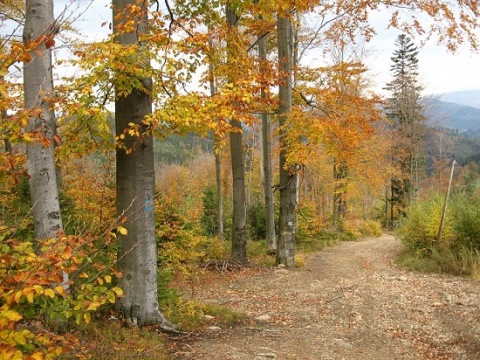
(107, 338)
(322, 240)
(192, 315)
(104, 339)
(417, 262)
(224, 315)
(461, 261)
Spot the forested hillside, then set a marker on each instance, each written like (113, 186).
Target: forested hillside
(467, 98)
(200, 135)
(454, 116)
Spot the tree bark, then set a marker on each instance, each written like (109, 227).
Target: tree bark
(218, 162)
(218, 178)
(267, 159)
(38, 90)
(340, 171)
(288, 177)
(239, 223)
(137, 253)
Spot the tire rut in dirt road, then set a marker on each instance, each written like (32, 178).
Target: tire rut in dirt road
(349, 302)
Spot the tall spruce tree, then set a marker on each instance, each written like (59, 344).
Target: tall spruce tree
(406, 112)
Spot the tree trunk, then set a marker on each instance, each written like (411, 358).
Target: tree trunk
(239, 231)
(267, 159)
(288, 177)
(340, 171)
(137, 253)
(38, 90)
(218, 177)
(218, 162)
(7, 144)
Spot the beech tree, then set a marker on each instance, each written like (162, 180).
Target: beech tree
(267, 154)
(40, 28)
(288, 176)
(137, 254)
(239, 230)
(217, 149)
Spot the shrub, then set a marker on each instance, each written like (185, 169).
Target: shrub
(465, 210)
(257, 221)
(177, 237)
(33, 294)
(419, 230)
(457, 253)
(370, 228)
(209, 219)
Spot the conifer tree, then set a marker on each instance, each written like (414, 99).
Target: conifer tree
(406, 112)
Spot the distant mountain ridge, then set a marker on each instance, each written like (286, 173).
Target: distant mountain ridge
(466, 97)
(456, 110)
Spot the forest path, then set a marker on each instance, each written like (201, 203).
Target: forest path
(350, 301)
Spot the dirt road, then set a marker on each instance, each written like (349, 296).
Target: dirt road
(349, 302)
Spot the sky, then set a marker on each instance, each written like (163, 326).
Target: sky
(439, 71)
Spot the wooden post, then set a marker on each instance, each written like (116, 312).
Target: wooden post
(442, 221)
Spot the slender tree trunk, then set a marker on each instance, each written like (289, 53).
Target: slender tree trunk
(38, 90)
(340, 171)
(239, 232)
(267, 159)
(288, 177)
(218, 162)
(137, 253)
(218, 177)
(7, 144)
(239, 225)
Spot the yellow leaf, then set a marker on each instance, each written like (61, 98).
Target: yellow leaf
(37, 356)
(30, 297)
(11, 315)
(83, 275)
(108, 278)
(93, 306)
(122, 230)
(59, 289)
(17, 296)
(50, 293)
(38, 289)
(117, 291)
(86, 317)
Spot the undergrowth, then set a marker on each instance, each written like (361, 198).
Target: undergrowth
(458, 252)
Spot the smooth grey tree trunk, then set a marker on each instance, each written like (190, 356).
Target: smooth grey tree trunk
(38, 90)
(267, 160)
(288, 181)
(239, 223)
(137, 253)
(218, 162)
